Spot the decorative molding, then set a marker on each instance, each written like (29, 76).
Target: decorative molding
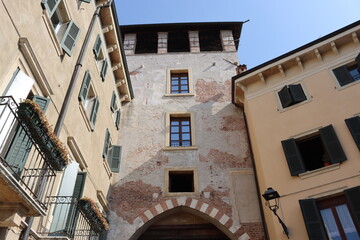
(319, 171)
(77, 153)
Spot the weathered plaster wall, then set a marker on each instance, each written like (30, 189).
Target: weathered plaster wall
(221, 139)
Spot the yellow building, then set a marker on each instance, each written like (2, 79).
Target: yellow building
(67, 57)
(302, 111)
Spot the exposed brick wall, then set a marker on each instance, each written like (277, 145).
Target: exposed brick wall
(212, 91)
(255, 230)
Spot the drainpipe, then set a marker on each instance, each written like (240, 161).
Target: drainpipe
(266, 233)
(70, 90)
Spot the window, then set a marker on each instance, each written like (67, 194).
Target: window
(100, 57)
(66, 30)
(181, 181)
(179, 82)
(348, 73)
(89, 100)
(146, 43)
(180, 131)
(210, 40)
(354, 128)
(291, 94)
(178, 42)
(114, 107)
(333, 218)
(314, 151)
(112, 153)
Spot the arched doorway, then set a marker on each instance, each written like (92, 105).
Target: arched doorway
(181, 224)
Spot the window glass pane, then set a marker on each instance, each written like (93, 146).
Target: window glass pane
(185, 123)
(175, 88)
(355, 73)
(347, 222)
(174, 129)
(174, 144)
(186, 136)
(174, 123)
(174, 82)
(184, 82)
(186, 143)
(174, 136)
(330, 224)
(184, 87)
(185, 129)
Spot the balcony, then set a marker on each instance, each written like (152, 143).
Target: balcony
(67, 220)
(26, 175)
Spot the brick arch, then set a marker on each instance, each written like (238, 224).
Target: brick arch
(221, 220)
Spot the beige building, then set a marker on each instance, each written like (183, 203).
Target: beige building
(302, 111)
(186, 170)
(67, 57)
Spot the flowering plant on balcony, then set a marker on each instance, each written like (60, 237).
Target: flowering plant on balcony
(89, 208)
(43, 134)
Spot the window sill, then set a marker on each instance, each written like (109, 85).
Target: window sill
(168, 148)
(281, 109)
(107, 168)
(180, 95)
(319, 171)
(339, 88)
(181, 194)
(52, 34)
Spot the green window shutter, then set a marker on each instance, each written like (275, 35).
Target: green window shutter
(113, 102)
(103, 69)
(106, 143)
(313, 221)
(357, 60)
(79, 184)
(87, 1)
(285, 97)
(342, 75)
(21, 144)
(297, 93)
(85, 87)
(115, 158)
(353, 199)
(293, 157)
(97, 47)
(94, 112)
(354, 127)
(117, 121)
(70, 36)
(50, 6)
(332, 144)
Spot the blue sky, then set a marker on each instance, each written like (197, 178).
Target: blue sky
(275, 26)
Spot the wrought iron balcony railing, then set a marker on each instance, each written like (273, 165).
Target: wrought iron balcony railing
(66, 220)
(22, 163)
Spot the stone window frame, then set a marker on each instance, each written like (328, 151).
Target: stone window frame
(181, 169)
(305, 91)
(190, 115)
(168, 82)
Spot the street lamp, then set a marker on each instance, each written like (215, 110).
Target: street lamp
(269, 195)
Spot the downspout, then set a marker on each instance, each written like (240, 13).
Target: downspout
(70, 90)
(256, 180)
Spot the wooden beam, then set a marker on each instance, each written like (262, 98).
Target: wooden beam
(334, 48)
(318, 54)
(299, 63)
(355, 38)
(281, 70)
(107, 28)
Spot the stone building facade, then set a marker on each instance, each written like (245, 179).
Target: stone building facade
(186, 169)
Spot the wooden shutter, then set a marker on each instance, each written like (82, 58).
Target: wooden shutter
(97, 47)
(313, 221)
(50, 6)
(113, 102)
(94, 112)
(354, 127)
(353, 199)
(115, 158)
(106, 143)
(293, 157)
(103, 69)
(70, 36)
(357, 60)
(285, 97)
(297, 93)
(342, 75)
(117, 121)
(21, 144)
(332, 144)
(79, 184)
(85, 87)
